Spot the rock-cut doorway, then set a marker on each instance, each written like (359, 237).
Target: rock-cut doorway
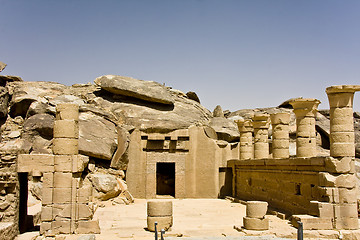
(165, 179)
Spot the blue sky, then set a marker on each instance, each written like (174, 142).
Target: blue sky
(238, 54)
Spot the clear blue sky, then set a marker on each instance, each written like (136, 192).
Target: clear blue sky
(238, 54)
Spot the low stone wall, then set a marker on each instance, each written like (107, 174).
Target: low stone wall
(317, 186)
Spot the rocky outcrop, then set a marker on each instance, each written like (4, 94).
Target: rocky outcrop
(144, 90)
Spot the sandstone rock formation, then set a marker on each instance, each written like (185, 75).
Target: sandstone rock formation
(144, 90)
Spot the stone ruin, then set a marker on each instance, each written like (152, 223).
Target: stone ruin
(68, 141)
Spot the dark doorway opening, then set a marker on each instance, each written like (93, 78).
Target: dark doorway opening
(23, 182)
(165, 179)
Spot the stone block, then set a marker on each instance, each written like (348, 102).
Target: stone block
(87, 227)
(346, 112)
(63, 163)
(48, 180)
(30, 162)
(312, 223)
(84, 194)
(65, 146)
(164, 222)
(256, 209)
(347, 223)
(62, 195)
(280, 152)
(79, 163)
(339, 165)
(343, 180)
(280, 118)
(83, 212)
(61, 226)
(66, 129)
(67, 111)
(47, 196)
(342, 137)
(62, 211)
(347, 195)
(280, 143)
(321, 209)
(62, 180)
(256, 223)
(342, 149)
(348, 127)
(45, 227)
(330, 194)
(346, 210)
(280, 134)
(46, 213)
(157, 208)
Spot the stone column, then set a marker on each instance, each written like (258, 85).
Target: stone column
(246, 139)
(261, 131)
(341, 120)
(305, 110)
(280, 136)
(342, 152)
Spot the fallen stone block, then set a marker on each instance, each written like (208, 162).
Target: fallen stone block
(312, 223)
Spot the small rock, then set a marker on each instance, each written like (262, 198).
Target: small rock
(193, 96)
(2, 66)
(218, 112)
(14, 134)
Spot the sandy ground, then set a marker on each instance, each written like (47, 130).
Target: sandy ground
(210, 219)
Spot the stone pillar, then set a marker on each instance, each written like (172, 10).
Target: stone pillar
(341, 120)
(342, 152)
(159, 211)
(255, 216)
(246, 139)
(66, 206)
(280, 136)
(305, 110)
(261, 131)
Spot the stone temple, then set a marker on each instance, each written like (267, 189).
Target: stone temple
(67, 149)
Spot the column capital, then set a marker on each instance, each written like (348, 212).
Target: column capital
(244, 125)
(305, 106)
(343, 89)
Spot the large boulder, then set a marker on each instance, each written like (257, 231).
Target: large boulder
(154, 117)
(97, 136)
(38, 132)
(226, 129)
(39, 124)
(106, 185)
(144, 90)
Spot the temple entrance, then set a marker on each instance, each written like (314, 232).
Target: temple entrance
(165, 179)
